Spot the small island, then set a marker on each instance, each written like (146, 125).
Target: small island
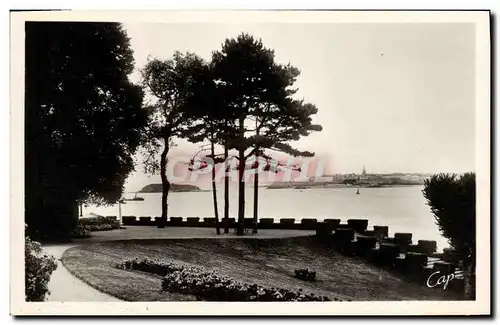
(157, 188)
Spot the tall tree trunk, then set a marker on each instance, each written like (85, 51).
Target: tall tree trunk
(226, 191)
(214, 190)
(165, 186)
(256, 183)
(120, 213)
(256, 194)
(241, 181)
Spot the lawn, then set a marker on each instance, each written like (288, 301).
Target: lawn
(266, 262)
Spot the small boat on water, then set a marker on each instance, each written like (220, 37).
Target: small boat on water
(136, 198)
(357, 191)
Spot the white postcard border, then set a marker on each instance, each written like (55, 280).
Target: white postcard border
(480, 306)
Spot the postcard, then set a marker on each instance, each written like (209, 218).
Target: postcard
(250, 163)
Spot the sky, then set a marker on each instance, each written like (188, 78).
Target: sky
(390, 97)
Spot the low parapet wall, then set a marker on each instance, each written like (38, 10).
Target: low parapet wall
(416, 260)
(358, 227)
(327, 226)
(264, 223)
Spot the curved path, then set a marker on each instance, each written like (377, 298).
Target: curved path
(64, 286)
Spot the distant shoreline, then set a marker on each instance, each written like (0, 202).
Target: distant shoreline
(158, 188)
(176, 191)
(309, 187)
(287, 187)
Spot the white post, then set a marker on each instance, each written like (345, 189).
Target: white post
(120, 212)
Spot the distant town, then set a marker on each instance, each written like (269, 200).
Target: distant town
(355, 180)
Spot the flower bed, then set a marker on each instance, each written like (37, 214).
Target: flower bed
(209, 286)
(80, 232)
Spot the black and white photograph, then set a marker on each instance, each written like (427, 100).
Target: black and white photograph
(316, 162)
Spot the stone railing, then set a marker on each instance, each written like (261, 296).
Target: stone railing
(419, 261)
(264, 223)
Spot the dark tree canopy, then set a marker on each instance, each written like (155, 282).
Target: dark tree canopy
(242, 70)
(169, 82)
(255, 86)
(84, 118)
(452, 200)
(211, 116)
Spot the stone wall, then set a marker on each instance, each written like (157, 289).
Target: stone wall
(418, 261)
(264, 223)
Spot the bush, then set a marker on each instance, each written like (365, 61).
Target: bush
(99, 223)
(80, 232)
(38, 268)
(155, 266)
(210, 286)
(305, 274)
(452, 200)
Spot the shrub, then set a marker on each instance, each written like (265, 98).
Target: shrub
(452, 200)
(38, 268)
(154, 266)
(80, 232)
(99, 223)
(209, 286)
(305, 274)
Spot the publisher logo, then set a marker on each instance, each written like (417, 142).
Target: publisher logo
(436, 280)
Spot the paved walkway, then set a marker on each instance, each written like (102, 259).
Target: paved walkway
(64, 286)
